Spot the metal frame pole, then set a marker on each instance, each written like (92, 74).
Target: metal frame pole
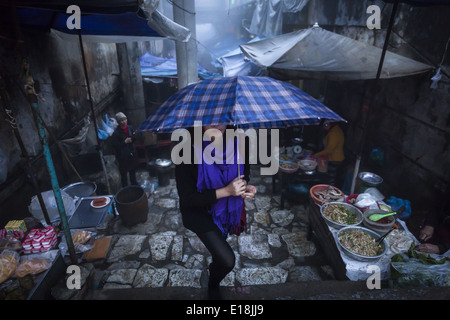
(54, 180)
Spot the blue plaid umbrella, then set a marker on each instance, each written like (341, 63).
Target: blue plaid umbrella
(258, 102)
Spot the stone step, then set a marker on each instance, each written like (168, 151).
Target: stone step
(308, 290)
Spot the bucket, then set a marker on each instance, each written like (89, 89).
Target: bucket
(367, 180)
(163, 169)
(132, 205)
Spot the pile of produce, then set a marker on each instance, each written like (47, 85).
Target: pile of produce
(413, 269)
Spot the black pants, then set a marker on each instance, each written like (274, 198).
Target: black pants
(223, 258)
(337, 171)
(124, 170)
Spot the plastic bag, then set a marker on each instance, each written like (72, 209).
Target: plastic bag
(81, 241)
(50, 203)
(415, 269)
(111, 122)
(10, 243)
(366, 201)
(414, 273)
(103, 135)
(8, 264)
(32, 265)
(396, 203)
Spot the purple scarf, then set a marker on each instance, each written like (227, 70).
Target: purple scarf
(226, 212)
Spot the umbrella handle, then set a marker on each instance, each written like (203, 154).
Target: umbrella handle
(237, 153)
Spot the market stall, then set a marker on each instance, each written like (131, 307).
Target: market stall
(348, 264)
(33, 254)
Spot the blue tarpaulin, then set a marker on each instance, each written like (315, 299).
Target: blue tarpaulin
(164, 67)
(101, 20)
(123, 24)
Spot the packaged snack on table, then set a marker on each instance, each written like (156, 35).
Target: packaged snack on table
(32, 266)
(10, 243)
(39, 240)
(16, 229)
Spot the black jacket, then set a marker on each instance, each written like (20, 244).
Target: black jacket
(123, 151)
(194, 205)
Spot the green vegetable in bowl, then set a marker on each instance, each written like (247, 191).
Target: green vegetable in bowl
(340, 214)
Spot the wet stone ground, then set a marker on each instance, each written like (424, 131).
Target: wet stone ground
(161, 252)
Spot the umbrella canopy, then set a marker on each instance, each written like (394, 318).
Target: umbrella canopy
(316, 53)
(259, 102)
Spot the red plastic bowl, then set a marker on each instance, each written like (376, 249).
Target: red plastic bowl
(318, 187)
(351, 197)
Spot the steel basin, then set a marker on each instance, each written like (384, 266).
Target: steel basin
(359, 257)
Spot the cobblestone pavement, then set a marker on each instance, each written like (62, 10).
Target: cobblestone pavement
(161, 252)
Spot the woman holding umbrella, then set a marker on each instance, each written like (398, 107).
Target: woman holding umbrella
(212, 203)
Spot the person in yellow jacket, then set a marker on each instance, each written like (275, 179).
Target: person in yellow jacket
(333, 142)
(334, 152)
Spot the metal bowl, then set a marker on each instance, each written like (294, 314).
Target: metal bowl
(81, 189)
(163, 162)
(335, 224)
(359, 257)
(370, 178)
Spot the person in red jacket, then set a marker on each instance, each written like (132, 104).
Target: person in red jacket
(122, 141)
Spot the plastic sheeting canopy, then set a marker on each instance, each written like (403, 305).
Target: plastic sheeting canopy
(316, 53)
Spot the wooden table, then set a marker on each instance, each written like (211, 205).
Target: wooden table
(319, 229)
